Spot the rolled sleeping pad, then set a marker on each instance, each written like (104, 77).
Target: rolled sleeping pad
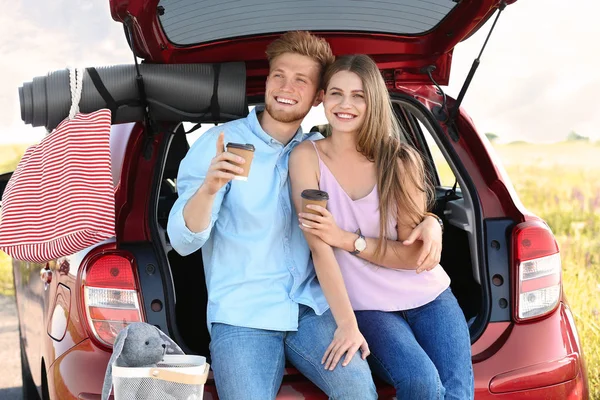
(174, 92)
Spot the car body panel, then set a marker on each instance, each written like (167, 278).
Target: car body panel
(493, 334)
(527, 353)
(404, 54)
(31, 298)
(68, 383)
(131, 222)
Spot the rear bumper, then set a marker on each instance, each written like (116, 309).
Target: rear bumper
(539, 360)
(542, 359)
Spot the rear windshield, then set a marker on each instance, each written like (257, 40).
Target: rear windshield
(188, 22)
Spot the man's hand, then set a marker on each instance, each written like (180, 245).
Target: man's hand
(323, 225)
(222, 168)
(430, 233)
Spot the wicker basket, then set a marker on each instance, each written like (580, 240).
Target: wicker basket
(177, 377)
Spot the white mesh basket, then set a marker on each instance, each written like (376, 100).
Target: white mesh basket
(178, 377)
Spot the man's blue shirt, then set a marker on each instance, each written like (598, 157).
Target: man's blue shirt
(256, 260)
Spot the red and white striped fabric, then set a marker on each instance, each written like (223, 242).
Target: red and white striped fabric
(60, 199)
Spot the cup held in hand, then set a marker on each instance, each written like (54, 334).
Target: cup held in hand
(246, 151)
(313, 196)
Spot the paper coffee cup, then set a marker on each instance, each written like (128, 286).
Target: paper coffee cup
(246, 151)
(313, 196)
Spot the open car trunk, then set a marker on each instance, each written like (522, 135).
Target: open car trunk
(459, 258)
(412, 42)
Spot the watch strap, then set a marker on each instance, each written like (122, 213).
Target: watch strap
(360, 236)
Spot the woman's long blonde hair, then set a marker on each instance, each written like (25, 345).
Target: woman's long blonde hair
(380, 141)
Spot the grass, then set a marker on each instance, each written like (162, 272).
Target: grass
(6, 275)
(10, 156)
(558, 182)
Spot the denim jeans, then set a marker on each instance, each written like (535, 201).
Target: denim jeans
(425, 353)
(248, 364)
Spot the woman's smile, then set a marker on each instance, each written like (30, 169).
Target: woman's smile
(344, 102)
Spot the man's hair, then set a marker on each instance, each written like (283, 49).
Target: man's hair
(303, 43)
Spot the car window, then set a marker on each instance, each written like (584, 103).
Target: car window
(315, 117)
(420, 133)
(443, 171)
(192, 137)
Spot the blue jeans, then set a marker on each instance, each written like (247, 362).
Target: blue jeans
(248, 364)
(425, 353)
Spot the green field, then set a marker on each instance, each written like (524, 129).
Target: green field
(10, 156)
(558, 182)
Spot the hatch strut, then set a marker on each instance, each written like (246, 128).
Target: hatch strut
(151, 128)
(463, 90)
(451, 116)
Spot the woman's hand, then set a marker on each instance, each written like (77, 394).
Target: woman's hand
(348, 340)
(430, 233)
(323, 225)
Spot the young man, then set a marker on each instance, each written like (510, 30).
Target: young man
(264, 302)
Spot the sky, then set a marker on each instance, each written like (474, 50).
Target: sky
(538, 79)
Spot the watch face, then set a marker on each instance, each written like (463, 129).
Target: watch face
(360, 244)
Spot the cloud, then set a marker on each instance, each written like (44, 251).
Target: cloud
(40, 37)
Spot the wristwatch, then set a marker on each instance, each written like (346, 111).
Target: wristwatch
(439, 220)
(360, 244)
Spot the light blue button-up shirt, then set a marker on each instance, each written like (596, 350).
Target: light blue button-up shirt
(256, 260)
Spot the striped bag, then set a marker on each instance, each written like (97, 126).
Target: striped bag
(60, 199)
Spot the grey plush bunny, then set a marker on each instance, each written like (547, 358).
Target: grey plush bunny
(138, 345)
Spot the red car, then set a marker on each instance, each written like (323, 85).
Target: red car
(504, 262)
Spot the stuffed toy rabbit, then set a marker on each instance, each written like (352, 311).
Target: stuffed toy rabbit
(139, 345)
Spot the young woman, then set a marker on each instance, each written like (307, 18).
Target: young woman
(365, 261)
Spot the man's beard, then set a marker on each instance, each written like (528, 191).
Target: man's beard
(286, 117)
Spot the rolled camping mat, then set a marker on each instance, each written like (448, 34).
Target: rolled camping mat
(174, 92)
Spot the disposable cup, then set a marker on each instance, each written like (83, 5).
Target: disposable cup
(316, 197)
(246, 151)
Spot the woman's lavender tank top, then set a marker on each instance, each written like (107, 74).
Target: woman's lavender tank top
(372, 287)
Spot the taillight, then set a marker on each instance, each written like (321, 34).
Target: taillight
(111, 299)
(538, 270)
